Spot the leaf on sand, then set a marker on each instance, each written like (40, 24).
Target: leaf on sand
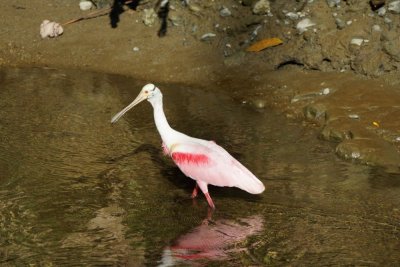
(264, 43)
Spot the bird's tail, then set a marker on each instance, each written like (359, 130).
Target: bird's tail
(247, 181)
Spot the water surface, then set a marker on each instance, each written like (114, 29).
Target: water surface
(78, 191)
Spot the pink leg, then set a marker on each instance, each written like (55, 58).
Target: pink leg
(204, 189)
(209, 200)
(194, 193)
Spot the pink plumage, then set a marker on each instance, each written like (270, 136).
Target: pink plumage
(203, 161)
(189, 158)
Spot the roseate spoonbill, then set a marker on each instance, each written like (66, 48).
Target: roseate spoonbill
(203, 161)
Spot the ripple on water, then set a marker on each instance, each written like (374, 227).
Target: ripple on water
(76, 190)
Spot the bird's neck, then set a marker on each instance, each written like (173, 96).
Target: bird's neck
(162, 124)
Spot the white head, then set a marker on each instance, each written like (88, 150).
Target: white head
(149, 92)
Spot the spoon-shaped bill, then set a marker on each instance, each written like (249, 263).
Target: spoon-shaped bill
(137, 100)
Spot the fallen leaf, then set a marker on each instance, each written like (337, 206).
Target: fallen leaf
(264, 43)
(376, 124)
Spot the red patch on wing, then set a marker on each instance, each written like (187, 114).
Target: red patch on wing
(189, 158)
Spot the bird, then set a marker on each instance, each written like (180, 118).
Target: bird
(201, 160)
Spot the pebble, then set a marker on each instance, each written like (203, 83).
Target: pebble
(292, 15)
(376, 28)
(340, 23)
(207, 36)
(259, 103)
(325, 91)
(225, 12)
(194, 8)
(255, 33)
(149, 16)
(394, 7)
(303, 24)
(333, 3)
(357, 41)
(175, 20)
(136, 49)
(381, 11)
(261, 7)
(354, 116)
(387, 20)
(85, 5)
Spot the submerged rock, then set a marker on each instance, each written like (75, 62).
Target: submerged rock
(316, 113)
(374, 152)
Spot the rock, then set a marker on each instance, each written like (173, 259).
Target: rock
(102, 3)
(376, 28)
(85, 5)
(340, 23)
(394, 7)
(357, 41)
(259, 103)
(261, 7)
(207, 36)
(194, 8)
(304, 24)
(326, 91)
(381, 11)
(225, 12)
(50, 29)
(354, 116)
(336, 132)
(175, 19)
(149, 16)
(315, 113)
(333, 3)
(292, 15)
(392, 48)
(387, 20)
(376, 152)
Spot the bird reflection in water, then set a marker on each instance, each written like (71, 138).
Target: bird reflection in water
(211, 240)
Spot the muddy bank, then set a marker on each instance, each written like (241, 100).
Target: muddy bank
(324, 72)
(358, 115)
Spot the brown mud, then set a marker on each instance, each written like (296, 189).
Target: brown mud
(349, 91)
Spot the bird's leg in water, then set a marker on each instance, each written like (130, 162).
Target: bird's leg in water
(195, 190)
(209, 200)
(204, 188)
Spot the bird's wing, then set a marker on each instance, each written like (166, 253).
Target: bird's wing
(206, 161)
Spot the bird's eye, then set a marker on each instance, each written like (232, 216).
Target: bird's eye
(146, 92)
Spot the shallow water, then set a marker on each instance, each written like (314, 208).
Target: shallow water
(78, 191)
